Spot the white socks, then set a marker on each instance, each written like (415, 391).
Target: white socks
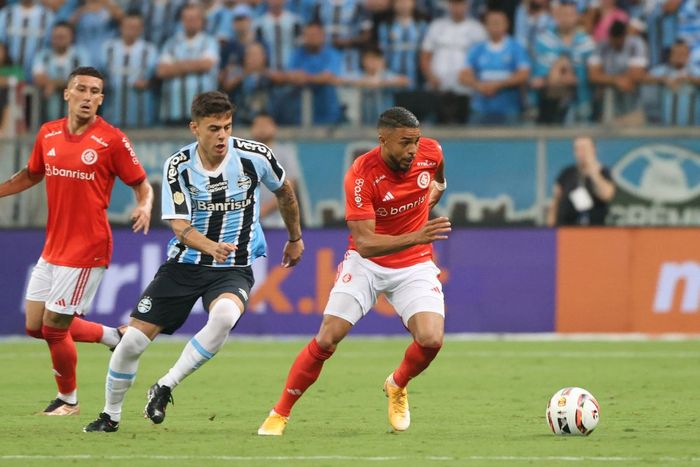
(122, 370)
(110, 336)
(71, 398)
(205, 344)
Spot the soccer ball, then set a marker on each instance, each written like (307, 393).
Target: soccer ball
(573, 411)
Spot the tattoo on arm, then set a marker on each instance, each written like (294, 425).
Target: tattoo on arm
(289, 209)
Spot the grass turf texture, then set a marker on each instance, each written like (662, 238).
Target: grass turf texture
(480, 403)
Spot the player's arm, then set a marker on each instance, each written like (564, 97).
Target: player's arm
(193, 238)
(19, 182)
(370, 244)
(554, 206)
(438, 186)
(141, 215)
(289, 210)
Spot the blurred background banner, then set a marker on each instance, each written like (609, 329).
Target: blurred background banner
(494, 281)
(502, 179)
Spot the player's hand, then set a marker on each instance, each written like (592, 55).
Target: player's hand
(222, 251)
(291, 255)
(141, 217)
(434, 229)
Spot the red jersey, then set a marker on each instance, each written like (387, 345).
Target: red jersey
(397, 201)
(80, 171)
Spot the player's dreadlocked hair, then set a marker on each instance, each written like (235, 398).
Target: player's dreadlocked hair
(85, 71)
(397, 117)
(211, 103)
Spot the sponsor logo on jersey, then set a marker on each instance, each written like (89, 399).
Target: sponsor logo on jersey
(89, 156)
(99, 140)
(357, 190)
(53, 133)
(228, 205)
(383, 212)
(426, 164)
(144, 305)
(218, 186)
(379, 179)
(53, 171)
(252, 146)
(178, 197)
(172, 167)
(52, 152)
(388, 196)
(347, 277)
(244, 182)
(127, 146)
(423, 179)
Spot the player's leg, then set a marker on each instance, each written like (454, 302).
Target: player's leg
(225, 296)
(418, 300)
(121, 373)
(82, 330)
(309, 362)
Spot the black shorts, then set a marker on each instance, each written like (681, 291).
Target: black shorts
(169, 298)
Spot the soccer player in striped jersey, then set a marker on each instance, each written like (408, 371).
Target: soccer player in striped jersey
(24, 28)
(211, 193)
(130, 62)
(79, 156)
(51, 69)
(188, 66)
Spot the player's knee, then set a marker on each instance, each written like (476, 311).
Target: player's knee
(224, 314)
(431, 340)
(35, 333)
(328, 342)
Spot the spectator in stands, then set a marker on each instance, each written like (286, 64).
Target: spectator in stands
(223, 20)
(52, 66)
(233, 50)
(532, 18)
(62, 9)
(444, 50)
(95, 23)
(400, 39)
(188, 65)
(376, 84)
(616, 67)
(7, 72)
(672, 99)
(559, 72)
(496, 69)
(212, 16)
(602, 17)
(250, 86)
(24, 31)
(130, 62)
(304, 9)
(347, 28)
(317, 66)
(160, 19)
(279, 30)
(582, 191)
(687, 15)
(264, 130)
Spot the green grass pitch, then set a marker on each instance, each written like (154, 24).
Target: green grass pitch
(480, 403)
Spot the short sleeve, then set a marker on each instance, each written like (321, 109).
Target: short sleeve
(36, 160)
(273, 175)
(125, 163)
(358, 197)
(522, 61)
(175, 199)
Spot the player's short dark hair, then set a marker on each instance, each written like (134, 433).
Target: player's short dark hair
(86, 71)
(211, 103)
(398, 117)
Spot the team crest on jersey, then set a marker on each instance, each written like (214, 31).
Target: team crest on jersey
(193, 189)
(244, 182)
(424, 179)
(89, 156)
(145, 305)
(178, 197)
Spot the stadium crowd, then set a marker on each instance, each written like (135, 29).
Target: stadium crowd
(495, 62)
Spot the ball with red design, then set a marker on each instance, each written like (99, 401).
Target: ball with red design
(573, 411)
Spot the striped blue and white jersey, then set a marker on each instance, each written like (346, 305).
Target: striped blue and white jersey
(25, 31)
(57, 67)
(222, 204)
(160, 19)
(128, 106)
(178, 92)
(280, 36)
(400, 44)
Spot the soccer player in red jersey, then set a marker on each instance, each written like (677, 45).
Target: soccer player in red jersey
(79, 156)
(389, 192)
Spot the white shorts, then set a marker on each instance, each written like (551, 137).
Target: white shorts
(410, 290)
(63, 289)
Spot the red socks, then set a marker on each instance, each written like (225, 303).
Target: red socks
(64, 357)
(35, 333)
(82, 330)
(303, 374)
(415, 360)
